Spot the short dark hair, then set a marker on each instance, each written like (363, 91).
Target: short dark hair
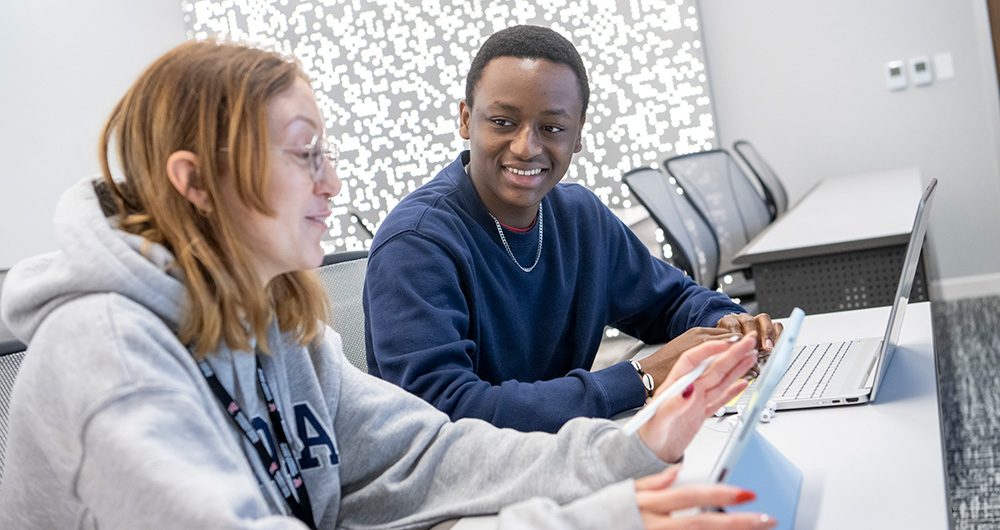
(530, 42)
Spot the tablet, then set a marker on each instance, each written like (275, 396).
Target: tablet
(766, 382)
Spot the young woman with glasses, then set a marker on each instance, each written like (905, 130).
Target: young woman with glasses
(179, 374)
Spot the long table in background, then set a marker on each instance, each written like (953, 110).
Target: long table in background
(871, 466)
(841, 247)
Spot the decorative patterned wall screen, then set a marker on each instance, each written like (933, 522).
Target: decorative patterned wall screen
(389, 75)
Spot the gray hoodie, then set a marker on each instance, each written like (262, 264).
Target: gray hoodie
(112, 424)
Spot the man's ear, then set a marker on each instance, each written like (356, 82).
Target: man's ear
(182, 170)
(579, 136)
(464, 115)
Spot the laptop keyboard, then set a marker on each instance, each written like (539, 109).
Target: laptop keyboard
(809, 373)
(812, 369)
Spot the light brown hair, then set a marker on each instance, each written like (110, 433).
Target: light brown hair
(209, 98)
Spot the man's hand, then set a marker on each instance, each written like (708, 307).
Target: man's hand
(767, 334)
(662, 360)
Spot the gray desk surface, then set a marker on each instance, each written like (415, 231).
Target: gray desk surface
(871, 466)
(841, 214)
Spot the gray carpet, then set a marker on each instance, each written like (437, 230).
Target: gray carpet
(967, 342)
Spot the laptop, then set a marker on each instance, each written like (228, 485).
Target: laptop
(849, 372)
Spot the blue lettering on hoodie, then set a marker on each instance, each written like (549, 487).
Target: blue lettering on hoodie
(310, 432)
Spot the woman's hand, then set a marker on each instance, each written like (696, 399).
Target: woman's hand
(677, 420)
(657, 501)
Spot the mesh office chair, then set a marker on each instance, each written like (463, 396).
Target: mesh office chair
(726, 197)
(774, 190)
(692, 247)
(11, 353)
(692, 242)
(343, 276)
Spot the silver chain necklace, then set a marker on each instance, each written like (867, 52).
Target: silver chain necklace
(510, 253)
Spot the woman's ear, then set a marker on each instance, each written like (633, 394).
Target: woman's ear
(182, 170)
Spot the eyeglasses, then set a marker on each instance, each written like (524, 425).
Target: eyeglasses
(314, 154)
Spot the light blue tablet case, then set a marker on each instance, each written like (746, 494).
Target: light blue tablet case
(763, 470)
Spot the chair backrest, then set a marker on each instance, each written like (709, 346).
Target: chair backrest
(725, 195)
(11, 353)
(774, 190)
(343, 276)
(686, 230)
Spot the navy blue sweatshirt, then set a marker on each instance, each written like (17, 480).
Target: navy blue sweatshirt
(451, 318)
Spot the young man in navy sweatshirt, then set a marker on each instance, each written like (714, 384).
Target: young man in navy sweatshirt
(488, 288)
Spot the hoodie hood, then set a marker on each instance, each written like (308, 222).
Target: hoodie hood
(93, 257)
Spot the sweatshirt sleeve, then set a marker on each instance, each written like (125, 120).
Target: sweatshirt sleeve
(418, 329)
(395, 446)
(613, 506)
(651, 299)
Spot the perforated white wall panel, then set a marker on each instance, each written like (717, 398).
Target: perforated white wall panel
(389, 76)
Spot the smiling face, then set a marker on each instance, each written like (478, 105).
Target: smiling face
(288, 240)
(523, 129)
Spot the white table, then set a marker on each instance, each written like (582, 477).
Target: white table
(846, 238)
(875, 466)
(872, 466)
(849, 212)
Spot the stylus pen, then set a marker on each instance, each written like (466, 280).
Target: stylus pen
(677, 387)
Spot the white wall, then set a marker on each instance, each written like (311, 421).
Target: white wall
(64, 65)
(802, 80)
(805, 82)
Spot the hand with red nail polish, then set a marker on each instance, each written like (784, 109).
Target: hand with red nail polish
(676, 422)
(657, 501)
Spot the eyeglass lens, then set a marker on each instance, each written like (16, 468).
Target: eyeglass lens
(321, 152)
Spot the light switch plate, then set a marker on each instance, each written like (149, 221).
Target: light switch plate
(944, 66)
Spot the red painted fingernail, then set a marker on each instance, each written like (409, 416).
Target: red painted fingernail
(688, 391)
(745, 496)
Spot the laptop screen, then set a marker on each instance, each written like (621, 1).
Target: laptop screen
(910, 262)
